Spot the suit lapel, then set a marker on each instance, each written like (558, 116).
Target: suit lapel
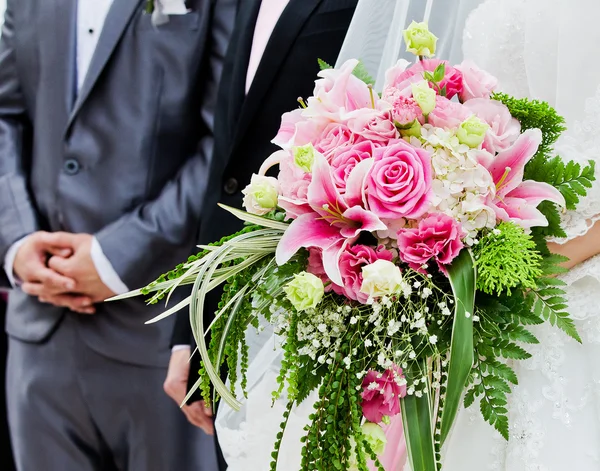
(117, 20)
(233, 82)
(284, 35)
(58, 51)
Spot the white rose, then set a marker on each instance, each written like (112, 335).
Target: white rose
(261, 196)
(381, 278)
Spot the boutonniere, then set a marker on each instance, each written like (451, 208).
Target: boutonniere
(161, 9)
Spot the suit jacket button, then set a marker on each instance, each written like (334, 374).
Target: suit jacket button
(71, 167)
(231, 186)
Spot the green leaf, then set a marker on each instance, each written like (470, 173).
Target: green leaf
(520, 334)
(253, 219)
(509, 350)
(416, 418)
(362, 73)
(324, 65)
(429, 76)
(463, 277)
(502, 370)
(469, 398)
(439, 73)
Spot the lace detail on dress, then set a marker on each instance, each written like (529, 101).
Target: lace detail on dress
(581, 143)
(554, 412)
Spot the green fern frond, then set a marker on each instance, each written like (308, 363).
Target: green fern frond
(506, 258)
(362, 73)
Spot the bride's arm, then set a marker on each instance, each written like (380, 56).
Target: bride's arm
(581, 248)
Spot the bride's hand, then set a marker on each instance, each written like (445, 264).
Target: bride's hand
(579, 249)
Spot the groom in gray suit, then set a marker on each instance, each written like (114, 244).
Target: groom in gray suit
(105, 132)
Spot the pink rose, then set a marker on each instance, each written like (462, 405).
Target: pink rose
(504, 129)
(334, 138)
(400, 83)
(448, 114)
(476, 83)
(352, 261)
(374, 125)
(338, 92)
(406, 111)
(382, 393)
(399, 184)
(345, 159)
(437, 237)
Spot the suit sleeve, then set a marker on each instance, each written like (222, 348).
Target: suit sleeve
(159, 233)
(17, 214)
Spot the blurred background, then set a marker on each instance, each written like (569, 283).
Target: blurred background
(5, 451)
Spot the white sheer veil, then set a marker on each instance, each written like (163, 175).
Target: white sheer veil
(375, 34)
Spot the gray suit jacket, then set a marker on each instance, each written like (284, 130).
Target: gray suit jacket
(126, 160)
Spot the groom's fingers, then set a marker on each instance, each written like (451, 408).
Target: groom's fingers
(77, 303)
(196, 414)
(60, 252)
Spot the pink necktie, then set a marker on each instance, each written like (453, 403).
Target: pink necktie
(270, 11)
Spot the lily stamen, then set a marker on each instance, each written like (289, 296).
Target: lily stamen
(507, 171)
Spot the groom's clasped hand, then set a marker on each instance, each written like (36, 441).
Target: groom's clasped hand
(58, 269)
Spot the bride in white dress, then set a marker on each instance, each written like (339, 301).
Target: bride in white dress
(543, 49)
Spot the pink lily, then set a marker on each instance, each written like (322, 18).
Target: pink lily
(517, 200)
(335, 220)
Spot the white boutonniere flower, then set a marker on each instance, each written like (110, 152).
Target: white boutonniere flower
(161, 9)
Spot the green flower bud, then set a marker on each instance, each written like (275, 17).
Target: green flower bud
(472, 131)
(425, 96)
(419, 40)
(304, 157)
(305, 291)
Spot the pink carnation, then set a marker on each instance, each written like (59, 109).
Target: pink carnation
(406, 111)
(345, 159)
(399, 184)
(382, 393)
(448, 114)
(477, 83)
(352, 262)
(504, 129)
(436, 237)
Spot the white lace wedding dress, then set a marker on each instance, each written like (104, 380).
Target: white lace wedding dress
(536, 49)
(543, 49)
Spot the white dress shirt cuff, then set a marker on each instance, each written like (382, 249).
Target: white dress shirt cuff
(177, 348)
(9, 261)
(105, 270)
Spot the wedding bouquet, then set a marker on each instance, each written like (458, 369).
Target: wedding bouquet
(400, 253)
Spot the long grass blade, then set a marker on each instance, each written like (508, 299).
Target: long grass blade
(462, 275)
